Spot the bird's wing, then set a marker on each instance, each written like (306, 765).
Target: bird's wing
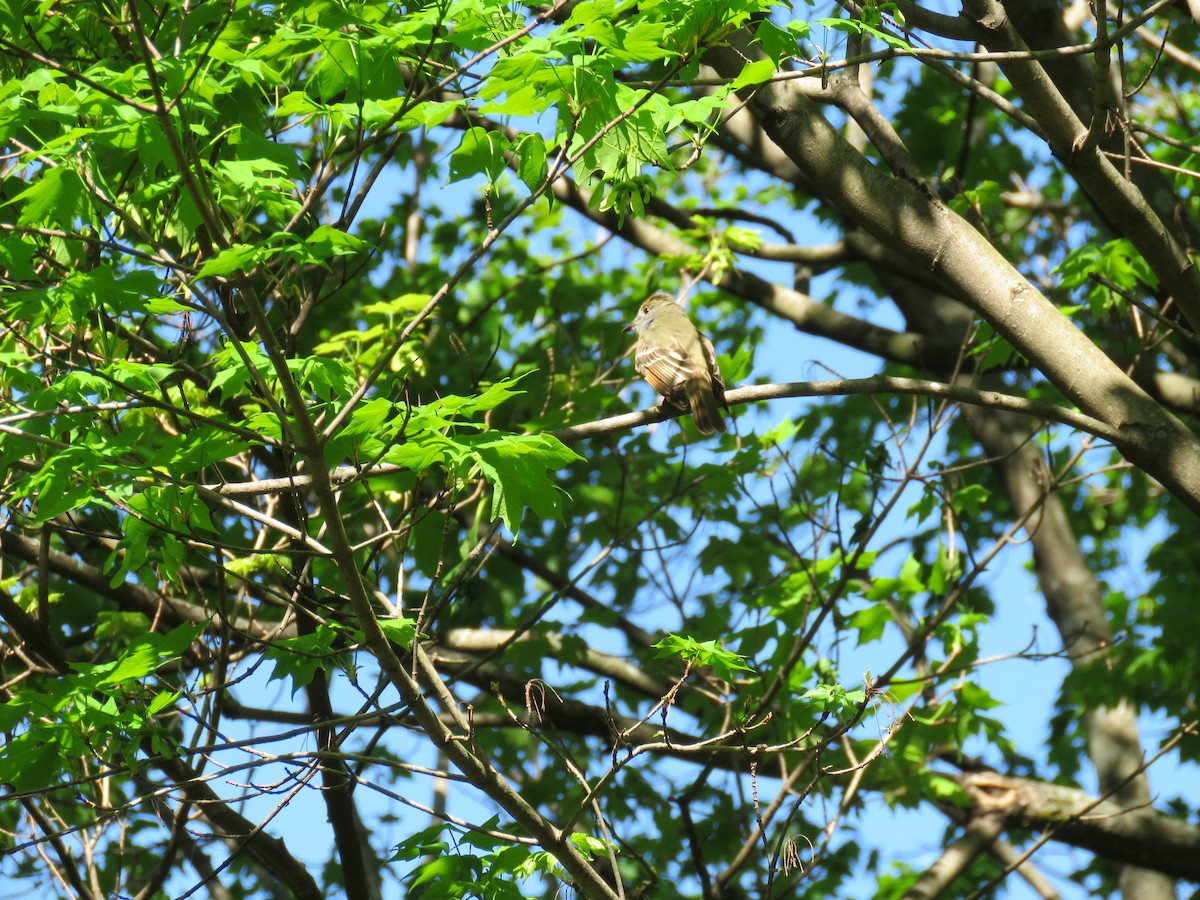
(666, 368)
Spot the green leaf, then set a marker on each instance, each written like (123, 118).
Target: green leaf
(299, 658)
(907, 583)
(724, 662)
(644, 41)
(480, 152)
(778, 43)
(143, 656)
(162, 700)
(754, 73)
(234, 258)
(401, 630)
(589, 846)
(532, 166)
(29, 763)
(327, 242)
(55, 198)
(870, 622)
(196, 449)
(518, 467)
(836, 699)
(422, 452)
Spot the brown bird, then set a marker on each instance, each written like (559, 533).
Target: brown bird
(678, 361)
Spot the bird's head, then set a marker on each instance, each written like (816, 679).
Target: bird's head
(651, 309)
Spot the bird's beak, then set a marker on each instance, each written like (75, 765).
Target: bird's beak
(628, 327)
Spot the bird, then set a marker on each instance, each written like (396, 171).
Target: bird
(678, 361)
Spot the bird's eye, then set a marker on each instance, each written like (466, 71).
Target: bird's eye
(645, 309)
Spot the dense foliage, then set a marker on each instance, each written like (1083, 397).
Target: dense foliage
(339, 561)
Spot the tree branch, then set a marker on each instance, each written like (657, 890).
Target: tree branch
(878, 384)
(1081, 153)
(912, 218)
(1143, 837)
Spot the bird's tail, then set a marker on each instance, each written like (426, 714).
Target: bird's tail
(705, 411)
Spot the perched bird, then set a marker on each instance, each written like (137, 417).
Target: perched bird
(678, 361)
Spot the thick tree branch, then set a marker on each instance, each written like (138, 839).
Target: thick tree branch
(910, 217)
(1142, 837)
(1082, 153)
(1075, 603)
